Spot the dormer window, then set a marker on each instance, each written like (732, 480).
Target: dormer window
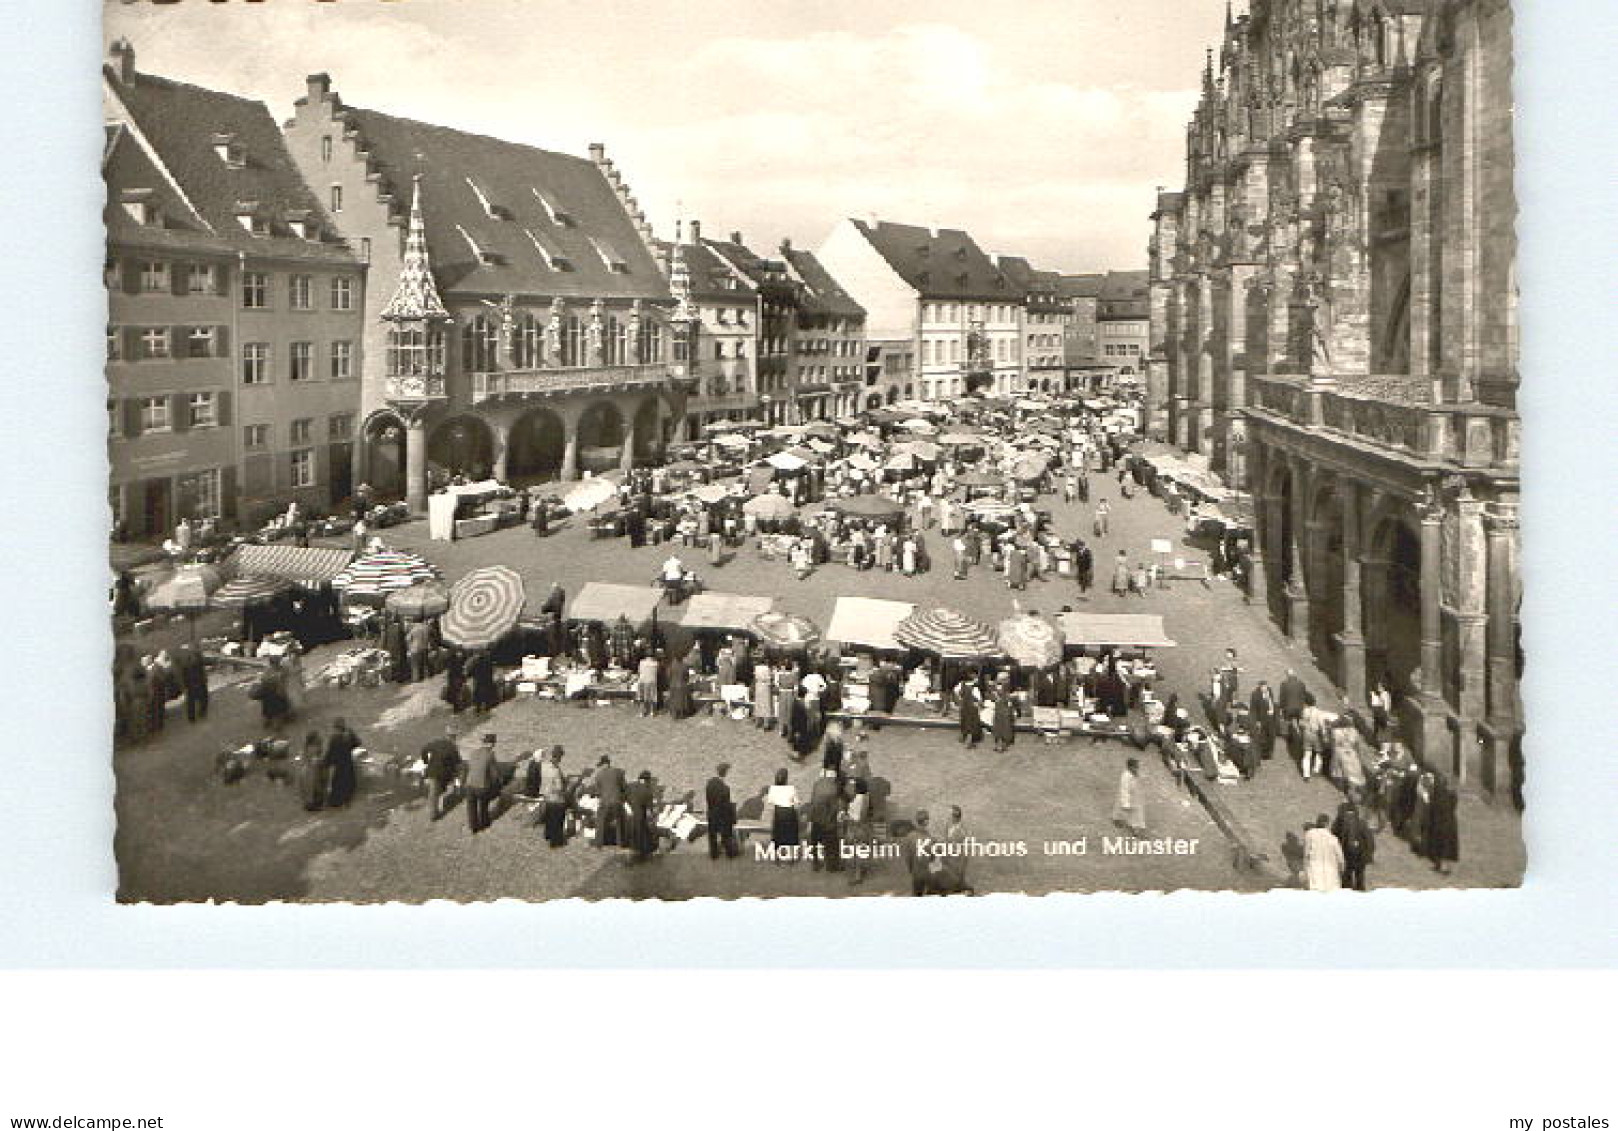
(228, 151)
(490, 209)
(549, 252)
(251, 218)
(557, 214)
(303, 225)
(140, 206)
(481, 254)
(609, 256)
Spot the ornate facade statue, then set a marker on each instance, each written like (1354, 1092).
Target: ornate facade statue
(553, 333)
(596, 333)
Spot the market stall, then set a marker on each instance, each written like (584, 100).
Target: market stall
(867, 622)
(605, 602)
(724, 612)
(1114, 630)
(465, 510)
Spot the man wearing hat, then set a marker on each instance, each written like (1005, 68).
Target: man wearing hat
(721, 815)
(481, 781)
(443, 761)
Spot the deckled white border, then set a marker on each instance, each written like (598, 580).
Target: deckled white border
(56, 821)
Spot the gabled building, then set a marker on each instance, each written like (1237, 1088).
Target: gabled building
(937, 289)
(777, 322)
(1044, 319)
(517, 322)
(725, 341)
(234, 313)
(1081, 347)
(1124, 321)
(828, 346)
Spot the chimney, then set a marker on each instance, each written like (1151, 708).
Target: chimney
(736, 238)
(318, 87)
(786, 244)
(696, 231)
(598, 152)
(121, 56)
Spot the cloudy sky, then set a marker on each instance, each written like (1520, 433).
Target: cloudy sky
(1041, 126)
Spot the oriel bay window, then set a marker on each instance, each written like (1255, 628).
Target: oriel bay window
(651, 342)
(415, 352)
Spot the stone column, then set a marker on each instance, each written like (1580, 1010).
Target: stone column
(415, 462)
(570, 450)
(1297, 586)
(1258, 580)
(499, 444)
(1436, 742)
(1203, 426)
(1471, 677)
(626, 457)
(1352, 638)
(1501, 728)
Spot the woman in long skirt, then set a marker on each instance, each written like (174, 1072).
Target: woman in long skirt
(782, 799)
(763, 695)
(679, 693)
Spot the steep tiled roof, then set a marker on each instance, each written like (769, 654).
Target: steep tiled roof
(711, 279)
(1081, 286)
(1050, 281)
(821, 294)
(942, 264)
(1126, 295)
(504, 218)
(184, 124)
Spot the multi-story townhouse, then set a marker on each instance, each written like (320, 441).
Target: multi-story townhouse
(234, 339)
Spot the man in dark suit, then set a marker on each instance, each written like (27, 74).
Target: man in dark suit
(721, 815)
(555, 600)
(610, 784)
(443, 762)
(825, 807)
(481, 781)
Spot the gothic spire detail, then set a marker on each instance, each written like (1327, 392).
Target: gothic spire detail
(416, 299)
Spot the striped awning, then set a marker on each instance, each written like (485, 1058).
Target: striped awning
(946, 633)
(377, 575)
(309, 566)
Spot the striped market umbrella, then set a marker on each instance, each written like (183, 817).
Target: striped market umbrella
(483, 606)
(1030, 467)
(419, 601)
(374, 576)
(947, 634)
(991, 510)
(245, 591)
(1031, 641)
(785, 630)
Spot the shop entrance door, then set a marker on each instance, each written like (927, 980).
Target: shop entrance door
(157, 507)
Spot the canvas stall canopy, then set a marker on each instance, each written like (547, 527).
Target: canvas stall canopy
(1114, 630)
(309, 566)
(866, 622)
(724, 612)
(606, 602)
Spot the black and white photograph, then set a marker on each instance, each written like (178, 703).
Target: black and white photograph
(636, 451)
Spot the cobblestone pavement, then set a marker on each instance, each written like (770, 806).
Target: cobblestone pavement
(252, 842)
